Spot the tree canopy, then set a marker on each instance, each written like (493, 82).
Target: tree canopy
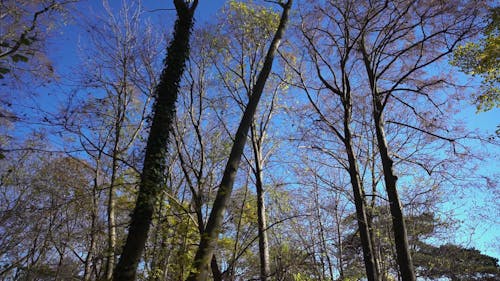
(264, 140)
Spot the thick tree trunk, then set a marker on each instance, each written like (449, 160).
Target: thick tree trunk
(156, 149)
(398, 224)
(209, 236)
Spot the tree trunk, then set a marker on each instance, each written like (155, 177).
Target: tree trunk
(265, 268)
(209, 236)
(398, 224)
(93, 223)
(340, 246)
(323, 246)
(197, 204)
(360, 203)
(110, 262)
(156, 149)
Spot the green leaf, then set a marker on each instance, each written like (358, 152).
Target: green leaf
(25, 41)
(17, 58)
(4, 70)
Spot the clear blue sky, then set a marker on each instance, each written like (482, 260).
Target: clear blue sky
(64, 54)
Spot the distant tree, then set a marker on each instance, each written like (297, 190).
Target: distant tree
(455, 262)
(45, 203)
(431, 262)
(333, 98)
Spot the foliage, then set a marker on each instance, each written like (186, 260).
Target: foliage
(24, 30)
(482, 59)
(455, 262)
(434, 262)
(252, 20)
(54, 222)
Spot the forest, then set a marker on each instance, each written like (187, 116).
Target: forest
(269, 140)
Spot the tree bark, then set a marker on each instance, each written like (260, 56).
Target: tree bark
(404, 260)
(209, 236)
(93, 223)
(265, 268)
(372, 271)
(156, 149)
(398, 223)
(110, 263)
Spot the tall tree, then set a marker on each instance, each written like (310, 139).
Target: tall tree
(156, 148)
(247, 28)
(109, 118)
(335, 100)
(209, 236)
(394, 46)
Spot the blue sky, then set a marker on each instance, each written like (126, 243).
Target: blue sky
(64, 53)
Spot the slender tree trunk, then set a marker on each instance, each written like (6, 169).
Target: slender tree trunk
(369, 256)
(93, 224)
(376, 251)
(324, 248)
(265, 268)
(209, 236)
(121, 107)
(398, 223)
(232, 266)
(160, 251)
(197, 201)
(110, 262)
(361, 213)
(156, 149)
(340, 245)
(60, 263)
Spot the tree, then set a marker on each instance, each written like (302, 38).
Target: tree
(393, 67)
(46, 200)
(212, 229)
(455, 262)
(431, 262)
(200, 140)
(311, 179)
(247, 28)
(113, 68)
(332, 98)
(158, 139)
(25, 26)
(106, 113)
(482, 58)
